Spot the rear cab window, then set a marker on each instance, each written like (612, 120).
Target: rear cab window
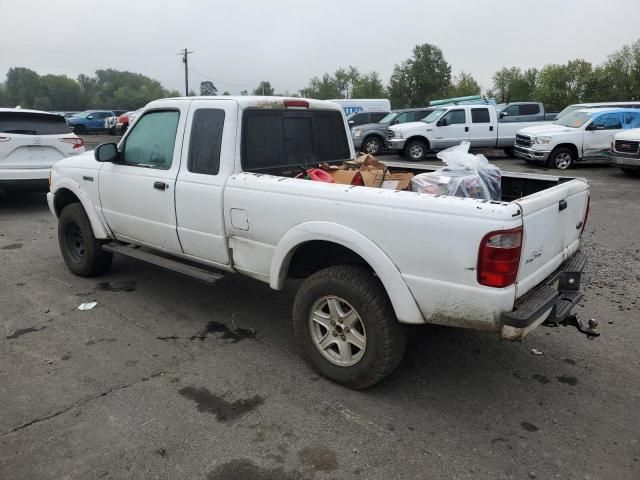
(286, 140)
(26, 123)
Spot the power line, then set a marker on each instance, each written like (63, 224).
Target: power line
(208, 77)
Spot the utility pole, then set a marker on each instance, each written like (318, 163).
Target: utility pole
(185, 60)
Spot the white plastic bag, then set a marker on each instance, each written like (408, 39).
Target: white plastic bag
(466, 175)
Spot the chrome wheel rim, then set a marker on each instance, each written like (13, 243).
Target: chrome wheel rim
(337, 331)
(372, 147)
(416, 151)
(563, 160)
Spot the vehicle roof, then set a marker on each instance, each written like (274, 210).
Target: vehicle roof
(607, 110)
(26, 110)
(597, 104)
(246, 101)
(415, 109)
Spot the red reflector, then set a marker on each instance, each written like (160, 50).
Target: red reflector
(499, 258)
(76, 141)
(296, 103)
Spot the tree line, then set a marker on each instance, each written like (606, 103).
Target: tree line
(425, 75)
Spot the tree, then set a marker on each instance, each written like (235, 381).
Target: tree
(226, 94)
(264, 88)
(464, 85)
(321, 88)
(208, 89)
(423, 77)
(64, 93)
(23, 86)
(368, 86)
(244, 93)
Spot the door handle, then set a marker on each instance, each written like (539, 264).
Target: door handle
(562, 205)
(491, 128)
(160, 185)
(466, 129)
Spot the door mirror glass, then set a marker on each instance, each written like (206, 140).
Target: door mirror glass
(107, 152)
(90, 117)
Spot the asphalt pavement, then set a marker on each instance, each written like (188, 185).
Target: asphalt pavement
(168, 378)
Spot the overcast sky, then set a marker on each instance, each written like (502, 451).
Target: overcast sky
(237, 43)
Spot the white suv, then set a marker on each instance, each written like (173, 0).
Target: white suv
(30, 143)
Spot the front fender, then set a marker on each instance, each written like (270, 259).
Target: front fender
(402, 300)
(99, 226)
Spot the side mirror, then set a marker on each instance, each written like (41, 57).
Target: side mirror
(442, 122)
(503, 114)
(90, 117)
(107, 152)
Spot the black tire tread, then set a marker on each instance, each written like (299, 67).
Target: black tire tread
(389, 351)
(551, 162)
(98, 261)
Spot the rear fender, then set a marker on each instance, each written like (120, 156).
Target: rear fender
(402, 300)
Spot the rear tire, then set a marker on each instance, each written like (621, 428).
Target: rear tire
(561, 158)
(632, 172)
(373, 145)
(416, 150)
(81, 251)
(346, 326)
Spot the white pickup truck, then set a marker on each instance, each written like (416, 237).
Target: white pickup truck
(208, 185)
(582, 135)
(448, 126)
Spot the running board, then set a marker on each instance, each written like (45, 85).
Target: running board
(198, 273)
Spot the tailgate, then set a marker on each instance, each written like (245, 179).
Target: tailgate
(33, 151)
(553, 221)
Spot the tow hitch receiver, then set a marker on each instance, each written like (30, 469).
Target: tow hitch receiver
(590, 329)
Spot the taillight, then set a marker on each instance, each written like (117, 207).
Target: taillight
(76, 141)
(499, 258)
(296, 104)
(586, 214)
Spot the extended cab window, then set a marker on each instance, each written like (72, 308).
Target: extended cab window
(480, 115)
(151, 142)
(512, 110)
(529, 109)
(453, 117)
(376, 117)
(205, 141)
(284, 138)
(23, 123)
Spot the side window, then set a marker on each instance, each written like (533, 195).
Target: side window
(151, 142)
(608, 121)
(529, 109)
(631, 120)
(454, 117)
(403, 118)
(480, 115)
(376, 117)
(512, 110)
(205, 141)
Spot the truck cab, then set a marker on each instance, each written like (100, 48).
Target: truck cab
(582, 135)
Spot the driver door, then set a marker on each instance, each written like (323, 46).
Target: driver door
(451, 129)
(599, 134)
(137, 194)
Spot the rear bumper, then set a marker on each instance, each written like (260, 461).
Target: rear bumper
(552, 300)
(620, 160)
(24, 179)
(530, 154)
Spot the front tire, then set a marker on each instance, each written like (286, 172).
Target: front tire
(346, 326)
(416, 150)
(561, 158)
(372, 145)
(81, 251)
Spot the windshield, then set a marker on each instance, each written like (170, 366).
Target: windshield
(574, 119)
(433, 116)
(389, 118)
